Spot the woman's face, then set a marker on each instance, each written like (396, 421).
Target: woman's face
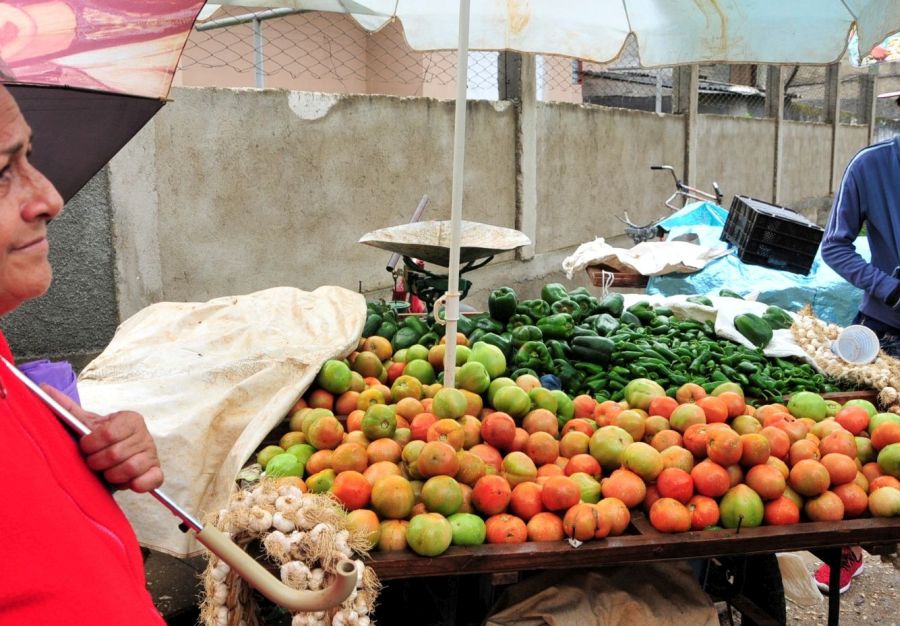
(28, 201)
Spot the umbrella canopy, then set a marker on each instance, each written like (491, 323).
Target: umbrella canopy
(668, 32)
(88, 74)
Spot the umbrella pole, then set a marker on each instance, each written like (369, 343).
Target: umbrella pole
(451, 305)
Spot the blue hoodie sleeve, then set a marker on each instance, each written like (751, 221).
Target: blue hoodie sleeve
(844, 223)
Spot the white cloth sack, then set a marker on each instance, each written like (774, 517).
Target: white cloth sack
(212, 380)
(722, 314)
(650, 258)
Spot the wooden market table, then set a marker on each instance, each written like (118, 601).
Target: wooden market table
(643, 543)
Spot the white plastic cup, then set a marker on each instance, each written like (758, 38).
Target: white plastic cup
(856, 344)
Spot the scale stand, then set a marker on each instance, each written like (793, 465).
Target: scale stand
(430, 243)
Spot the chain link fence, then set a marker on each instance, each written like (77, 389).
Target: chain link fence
(329, 52)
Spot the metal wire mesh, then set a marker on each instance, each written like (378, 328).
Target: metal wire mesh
(804, 93)
(329, 52)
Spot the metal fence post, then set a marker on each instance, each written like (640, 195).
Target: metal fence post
(833, 116)
(685, 97)
(526, 156)
(258, 53)
(775, 110)
(867, 86)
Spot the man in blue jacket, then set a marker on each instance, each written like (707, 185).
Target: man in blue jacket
(869, 194)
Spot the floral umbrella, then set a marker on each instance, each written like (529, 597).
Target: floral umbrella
(88, 74)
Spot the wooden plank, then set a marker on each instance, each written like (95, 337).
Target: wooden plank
(637, 548)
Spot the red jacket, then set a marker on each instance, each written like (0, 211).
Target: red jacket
(67, 553)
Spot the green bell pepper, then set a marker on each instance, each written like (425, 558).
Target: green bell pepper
(567, 305)
(387, 329)
(502, 303)
(580, 291)
(499, 341)
(464, 325)
(643, 311)
(606, 324)
(533, 355)
(777, 318)
(524, 334)
(488, 324)
(535, 309)
(429, 339)
(593, 349)
(630, 318)
(754, 328)
(558, 349)
(404, 338)
(572, 380)
(519, 319)
(373, 322)
(522, 371)
(556, 326)
(552, 292)
(613, 303)
(416, 323)
(587, 302)
(476, 335)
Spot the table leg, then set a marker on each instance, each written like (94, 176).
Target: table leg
(833, 558)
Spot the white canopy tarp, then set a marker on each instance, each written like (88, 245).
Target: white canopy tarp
(668, 32)
(213, 379)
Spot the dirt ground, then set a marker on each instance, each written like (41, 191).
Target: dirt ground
(873, 597)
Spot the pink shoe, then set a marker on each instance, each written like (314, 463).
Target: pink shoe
(851, 567)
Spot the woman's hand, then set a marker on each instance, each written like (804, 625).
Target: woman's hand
(119, 446)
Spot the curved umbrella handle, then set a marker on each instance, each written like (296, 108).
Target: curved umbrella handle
(267, 584)
(256, 575)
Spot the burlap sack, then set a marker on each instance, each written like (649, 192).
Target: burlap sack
(652, 594)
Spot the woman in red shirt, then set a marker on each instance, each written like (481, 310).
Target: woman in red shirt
(67, 553)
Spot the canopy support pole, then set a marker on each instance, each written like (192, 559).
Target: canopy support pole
(451, 306)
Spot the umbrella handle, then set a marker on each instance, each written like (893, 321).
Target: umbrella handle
(218, 543)
(261, 579)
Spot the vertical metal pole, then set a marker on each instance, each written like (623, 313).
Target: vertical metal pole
(526, 157)
(258, 53)
(658, 91)
(775, 110)
(451, 305)
(685, 100)
(833, 116)
(867, 99)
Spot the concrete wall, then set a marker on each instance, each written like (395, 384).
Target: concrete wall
(738, 154)
(594, 164)
(232, 191)
(806, 167)
(256, 189)
(78, 315)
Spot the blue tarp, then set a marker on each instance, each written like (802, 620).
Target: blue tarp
(833, 299)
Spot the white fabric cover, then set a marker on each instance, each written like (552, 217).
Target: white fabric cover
(212, 380)
(650, 258)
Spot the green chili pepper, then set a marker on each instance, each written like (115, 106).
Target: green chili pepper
(728, 293)
(643, 311)
(700, 300)
(558, 349)
(416, 323)
(630, 318)
(593, 349)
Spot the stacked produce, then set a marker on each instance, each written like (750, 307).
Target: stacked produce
(573, 341)
(503, 460)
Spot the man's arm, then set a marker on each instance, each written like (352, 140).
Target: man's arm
(839, 253)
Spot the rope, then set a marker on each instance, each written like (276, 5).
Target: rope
(606, 281)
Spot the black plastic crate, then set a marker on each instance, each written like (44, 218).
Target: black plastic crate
(772, 236)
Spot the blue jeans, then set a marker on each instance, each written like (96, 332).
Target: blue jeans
(887, 337)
